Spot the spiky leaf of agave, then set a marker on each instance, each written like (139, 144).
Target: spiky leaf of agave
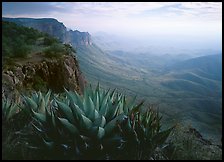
(9, 109)
(38, 102)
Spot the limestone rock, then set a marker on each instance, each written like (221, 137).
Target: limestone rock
(56, 74)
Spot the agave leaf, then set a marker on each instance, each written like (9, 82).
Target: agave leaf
(39, 116)
(97, 115)
(114, 142)
(97, 101)
(49, 145)
(123, 105)
(70, 127)
(67, 101)
(40, 96)
(110, 106)
(54, 103)
(104, 109)
(66, 110)
(42, 106)
(91, 113)
(100, 133)
(47, 97)
(120, 108)
(90, 91)
(38, 129)
(30, 103)
(101, 121)
(71, 96)
(161, 137)
(113, 123)
(12, 111)
(48, 114)
(79, 100)
(112, 95)
(85, 122)
(35, 97)
(77, 111)
(53, 119)
(136, 108)
(131, 104)
(97, 88)
(104, 100)
(5, 105)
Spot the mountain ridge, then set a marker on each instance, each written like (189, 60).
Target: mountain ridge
(55, 28)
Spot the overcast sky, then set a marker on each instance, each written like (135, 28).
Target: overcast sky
(202, 20)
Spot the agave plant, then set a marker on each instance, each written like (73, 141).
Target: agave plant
(143, 134)
(85, 126)
(9, 109)
(96, 125)
(37, 102)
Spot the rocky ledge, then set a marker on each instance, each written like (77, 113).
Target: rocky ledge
(54, 74)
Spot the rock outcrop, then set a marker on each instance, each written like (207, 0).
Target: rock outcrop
(55, 29)
(52, 74)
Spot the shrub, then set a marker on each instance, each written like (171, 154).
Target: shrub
(39, 83)
(48, 40)
(54, 50)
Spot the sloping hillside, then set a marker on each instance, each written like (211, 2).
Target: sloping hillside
(36, 61)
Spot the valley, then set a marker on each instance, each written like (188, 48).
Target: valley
(187, 94)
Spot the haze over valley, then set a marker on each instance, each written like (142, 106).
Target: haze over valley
(167, 54)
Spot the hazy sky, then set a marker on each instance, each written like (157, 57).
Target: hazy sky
(197, 20)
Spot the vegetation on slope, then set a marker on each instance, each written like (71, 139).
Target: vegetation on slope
(19, 42)
(31, 59)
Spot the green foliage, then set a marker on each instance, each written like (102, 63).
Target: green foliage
(100, 124)
(86, 121)
(21, 49)
(39, 83)
(69, 49)
(48, 40)
(16, 40)
(54, 51)
(143, 135)
(9, 110)
(37, 102)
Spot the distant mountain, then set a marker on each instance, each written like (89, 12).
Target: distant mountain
(209, 66)
(56, 29)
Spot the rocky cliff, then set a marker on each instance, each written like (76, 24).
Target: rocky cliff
(56, 29)
(54, 74)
